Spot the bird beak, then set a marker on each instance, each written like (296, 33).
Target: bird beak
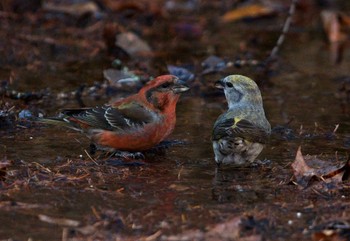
(180, 86)
(219, 84)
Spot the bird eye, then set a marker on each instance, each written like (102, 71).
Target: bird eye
(165, 85)
(228, 84)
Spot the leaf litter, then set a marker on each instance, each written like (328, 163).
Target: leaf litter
(326, 175)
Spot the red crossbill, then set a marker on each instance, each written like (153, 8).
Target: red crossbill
(240, 133)
(136, 123)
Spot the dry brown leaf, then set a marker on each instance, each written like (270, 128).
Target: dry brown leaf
(331, 25)
(333, 29)
(302, 172)
(132, 44)
(251, 11)
(226, 231)
(308, 167)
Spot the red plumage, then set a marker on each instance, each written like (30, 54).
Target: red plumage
(136, 123)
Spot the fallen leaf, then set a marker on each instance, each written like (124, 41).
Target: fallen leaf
(180, 72)
(333, 29)
(309, 167)
(227, 230)
(132, 44)
(302, 172)
(331, 25)
(213, 64)
(332, 231)
(251, 11)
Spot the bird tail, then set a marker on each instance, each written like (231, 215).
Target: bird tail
(64, 119)
(58, 121)
(52, 121)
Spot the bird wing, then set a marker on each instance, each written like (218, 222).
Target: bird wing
(236, 127)
(123, 117)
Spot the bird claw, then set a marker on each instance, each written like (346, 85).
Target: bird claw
(112, 152)
(259, 163)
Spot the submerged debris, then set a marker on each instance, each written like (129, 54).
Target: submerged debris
(181, 72)
(213, 64)
(132, 44)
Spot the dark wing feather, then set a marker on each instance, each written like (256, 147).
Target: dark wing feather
(115, 118)
(239, 128)
(94, 117)
(136, 113)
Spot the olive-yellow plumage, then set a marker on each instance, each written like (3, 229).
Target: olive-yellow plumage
(239, 134)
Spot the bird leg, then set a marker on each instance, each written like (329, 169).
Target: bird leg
(259, 163)
(124, 158)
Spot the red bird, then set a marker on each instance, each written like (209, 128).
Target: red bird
(136, 123)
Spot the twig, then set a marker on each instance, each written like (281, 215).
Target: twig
(336, 128)
(154, 236)
(179, 173)
(59, 221)
(92, 159)
(94, 211)
(285, 30)
(65, 234)
(41, 166)
(276, 48)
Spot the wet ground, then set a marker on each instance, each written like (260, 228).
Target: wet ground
(179, 194)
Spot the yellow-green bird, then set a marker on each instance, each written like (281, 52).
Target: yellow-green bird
(239, 134)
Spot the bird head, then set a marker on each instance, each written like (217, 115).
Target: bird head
(164, 90)
(239, 89)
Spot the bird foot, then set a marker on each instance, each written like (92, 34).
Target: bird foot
(129, 155)
(121, 162)
(116, 153)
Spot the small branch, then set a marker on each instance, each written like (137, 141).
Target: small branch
(285, 30)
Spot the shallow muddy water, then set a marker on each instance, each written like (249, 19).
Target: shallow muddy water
(181, 189)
